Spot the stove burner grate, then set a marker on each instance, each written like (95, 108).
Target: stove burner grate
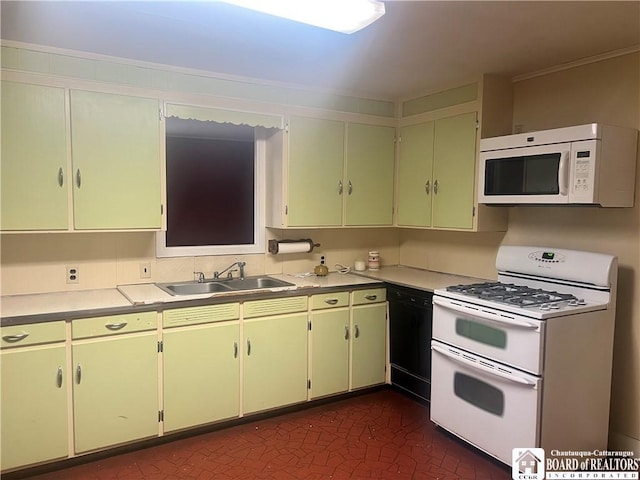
(519, 295)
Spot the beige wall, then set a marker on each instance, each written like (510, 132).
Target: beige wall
(609, 92)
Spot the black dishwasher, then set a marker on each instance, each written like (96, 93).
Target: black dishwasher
(410, 325)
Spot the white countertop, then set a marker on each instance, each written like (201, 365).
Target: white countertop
(149, 294)
(418, 278)
(43, 303)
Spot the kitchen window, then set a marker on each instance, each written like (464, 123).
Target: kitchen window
(215, 182)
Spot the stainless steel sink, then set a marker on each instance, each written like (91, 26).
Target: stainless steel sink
(253, 283)
(234, 285)
(193, 288)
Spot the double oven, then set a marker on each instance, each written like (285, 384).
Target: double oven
(526, 361)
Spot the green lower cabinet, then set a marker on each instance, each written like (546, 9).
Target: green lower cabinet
(275, 362)
(201, 375)
(115, 391)
(368, 345)
(329, 352)
(34, 425)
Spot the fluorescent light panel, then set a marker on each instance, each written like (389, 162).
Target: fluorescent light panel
(346, 16)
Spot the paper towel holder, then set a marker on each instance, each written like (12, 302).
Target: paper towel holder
(274, 245)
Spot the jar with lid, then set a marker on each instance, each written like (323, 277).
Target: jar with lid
(374, 260)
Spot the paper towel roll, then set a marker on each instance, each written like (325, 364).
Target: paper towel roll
(291, 246)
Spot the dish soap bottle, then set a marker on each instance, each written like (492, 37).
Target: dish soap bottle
(321, 270)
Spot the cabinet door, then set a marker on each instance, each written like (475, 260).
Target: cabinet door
(368, 345)
(115, 391)
(316, 159)
(34, 405)
(454, 171)
(33, 190)
(201, 380)
(415, 183)
(370, 161)
(115, 143)
(275, 362)
(329, 352)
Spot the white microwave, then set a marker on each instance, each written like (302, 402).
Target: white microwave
(591, 164)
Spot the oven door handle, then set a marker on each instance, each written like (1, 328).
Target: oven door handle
(483, 314)
(482, 368)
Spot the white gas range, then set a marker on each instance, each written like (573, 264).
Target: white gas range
(522, 362)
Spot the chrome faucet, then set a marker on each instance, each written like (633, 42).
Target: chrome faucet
(241, 265)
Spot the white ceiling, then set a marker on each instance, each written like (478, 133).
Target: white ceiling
(417, 47)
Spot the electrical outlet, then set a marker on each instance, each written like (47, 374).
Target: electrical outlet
(73, 275)
(145, 270)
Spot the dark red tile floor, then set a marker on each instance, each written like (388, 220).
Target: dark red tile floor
(379, 435)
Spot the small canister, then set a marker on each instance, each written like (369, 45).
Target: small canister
(374, 260)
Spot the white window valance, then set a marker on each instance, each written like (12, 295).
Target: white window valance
(205, 114)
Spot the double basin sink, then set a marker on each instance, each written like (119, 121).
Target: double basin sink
(222, 286)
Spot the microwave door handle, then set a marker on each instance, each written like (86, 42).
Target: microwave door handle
(491, 317)
(563, 171)
(482, 368)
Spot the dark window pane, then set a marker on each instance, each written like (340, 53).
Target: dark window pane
(481, 333)
(210, 192)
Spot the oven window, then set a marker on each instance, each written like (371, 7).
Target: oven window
(478, 393)
(530, 175)
(481, 333)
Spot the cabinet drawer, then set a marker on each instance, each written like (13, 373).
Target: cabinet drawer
(206, 314)
(330, 300)
(21, 335)
(114, 324)
(275, 306)
(373, 295)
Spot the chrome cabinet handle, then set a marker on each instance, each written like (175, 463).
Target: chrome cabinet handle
(15, 338)
(60, 177)
(248, 346)
(371, 297)
(350, 187)
(346, 332)
(435, 187)
(78, 178)
(59, 380)
(340, 187)
(331, 301)
(235, 349)
(427, 187)
(357, 331)
(116, 326)
(78, 374)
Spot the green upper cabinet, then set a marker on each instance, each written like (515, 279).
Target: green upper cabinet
(337, 174)
(415, 166)
(454, 171)
(34, 194)
(316, 162)
(369, 175)
(436, 173)
(115, 144)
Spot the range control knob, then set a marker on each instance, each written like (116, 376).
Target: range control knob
(554, 306)
(573, 302)
(581, 301)
(545, 306)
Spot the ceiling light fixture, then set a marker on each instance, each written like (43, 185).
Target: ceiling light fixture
(346, 16)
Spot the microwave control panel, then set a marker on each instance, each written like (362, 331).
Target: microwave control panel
(583, 171)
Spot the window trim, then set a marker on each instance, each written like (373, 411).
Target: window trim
(259, 232)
